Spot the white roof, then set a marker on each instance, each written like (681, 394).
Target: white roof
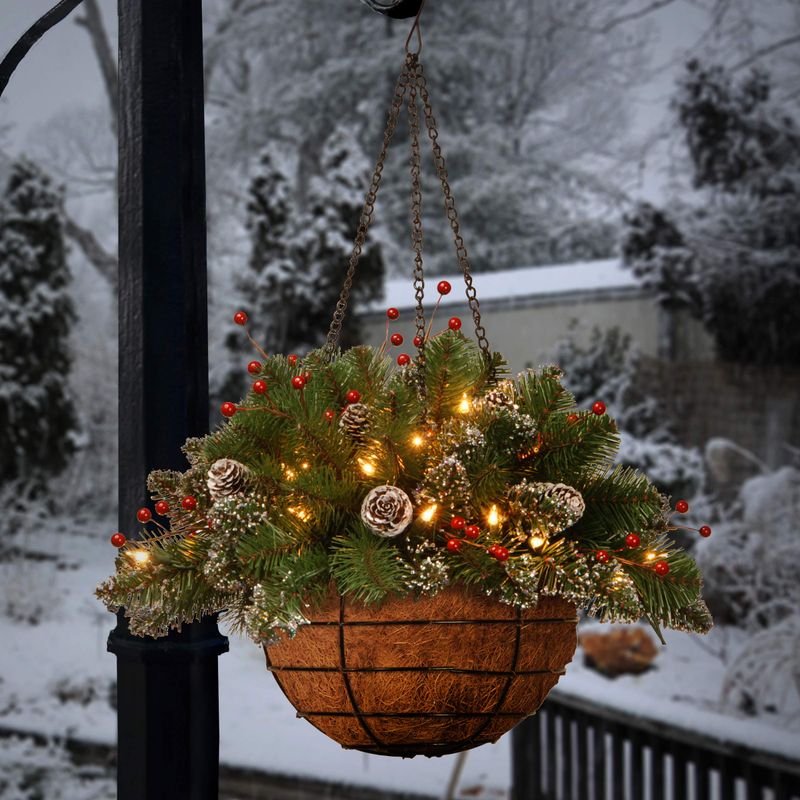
(514, 284)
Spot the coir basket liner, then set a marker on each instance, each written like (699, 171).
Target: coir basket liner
(423, 677)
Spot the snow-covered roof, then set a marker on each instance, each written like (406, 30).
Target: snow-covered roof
(525, 284)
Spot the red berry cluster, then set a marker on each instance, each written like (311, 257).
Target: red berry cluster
(469, 531)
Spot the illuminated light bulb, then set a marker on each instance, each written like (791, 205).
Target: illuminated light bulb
(429, 513)
(417, 440)
(536, 541)
(290, 474)
(464, 406)
(306, 465)
(140, 556)
(493, 517)
(301, 513)
(651, 556)
(367, 467)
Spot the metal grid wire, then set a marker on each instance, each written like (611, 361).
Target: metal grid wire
(424, 747)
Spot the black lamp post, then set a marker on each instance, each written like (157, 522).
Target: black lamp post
(167, 689)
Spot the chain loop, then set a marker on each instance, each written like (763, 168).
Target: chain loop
(332, 340)
(418, 79)
(416, 231)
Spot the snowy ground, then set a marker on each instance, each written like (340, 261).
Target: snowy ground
(56, 678)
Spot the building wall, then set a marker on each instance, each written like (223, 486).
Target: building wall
(526, 332)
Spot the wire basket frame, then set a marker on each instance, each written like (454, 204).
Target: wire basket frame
(423, 677)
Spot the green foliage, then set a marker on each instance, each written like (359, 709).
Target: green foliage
(267, 547)
(367, 567)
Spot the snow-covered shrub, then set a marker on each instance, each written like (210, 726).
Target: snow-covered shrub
(29, 771)
(752, 562)
(765, 675)
(608, 369)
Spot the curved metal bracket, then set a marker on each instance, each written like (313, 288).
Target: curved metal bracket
(397, 9)
(28, 39)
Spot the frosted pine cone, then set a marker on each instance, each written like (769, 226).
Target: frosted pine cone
(355, 421)
(226, 477)
(498, 399)
(568, 499)
(387, 511)
(545, 507)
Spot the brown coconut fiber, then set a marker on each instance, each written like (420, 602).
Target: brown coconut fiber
(423, 677)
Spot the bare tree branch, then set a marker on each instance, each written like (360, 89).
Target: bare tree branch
(767, 50)
(622, 19)
(103, 261)
(92, 21)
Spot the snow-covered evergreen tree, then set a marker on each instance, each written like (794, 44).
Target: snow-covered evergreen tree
(301, 241)
(37, 417)
(733, 258)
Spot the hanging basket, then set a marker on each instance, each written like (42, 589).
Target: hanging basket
(428, 677)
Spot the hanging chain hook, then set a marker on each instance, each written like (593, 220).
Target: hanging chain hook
(416, 28)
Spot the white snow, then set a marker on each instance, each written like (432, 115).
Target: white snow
(524, 282)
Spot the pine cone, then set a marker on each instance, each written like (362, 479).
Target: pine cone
(355, 421)
(387, 511)
(227, 477)
(498, 399)
(545, 507)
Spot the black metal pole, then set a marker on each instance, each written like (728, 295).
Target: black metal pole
(168, 706)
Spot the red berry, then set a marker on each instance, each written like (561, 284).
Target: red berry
(240, 318)
(162, 507)
(396, 339)
(492, 549)
(453, 545)
(632, 540)
(404, 359)
(298, 382)
(444, 287)
(572, 419)
(681, 506)
(189, 503)
(454, 324)
(705, 531)
(254, 367)
(353, 396)
(661, 568)
(501, 553)
(144, 515)
(392, 313)
(227, 409)
(417, 341)
(330, 415)
(292, 360)
(118, 539)
(472, 532)
(602, 556)
(599, 408)
(458, 523)
(260, 387)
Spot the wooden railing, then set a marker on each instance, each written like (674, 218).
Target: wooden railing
(574, 749)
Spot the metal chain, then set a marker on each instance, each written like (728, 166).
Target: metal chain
(332, 341)
(450, 209)
(416, 231)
